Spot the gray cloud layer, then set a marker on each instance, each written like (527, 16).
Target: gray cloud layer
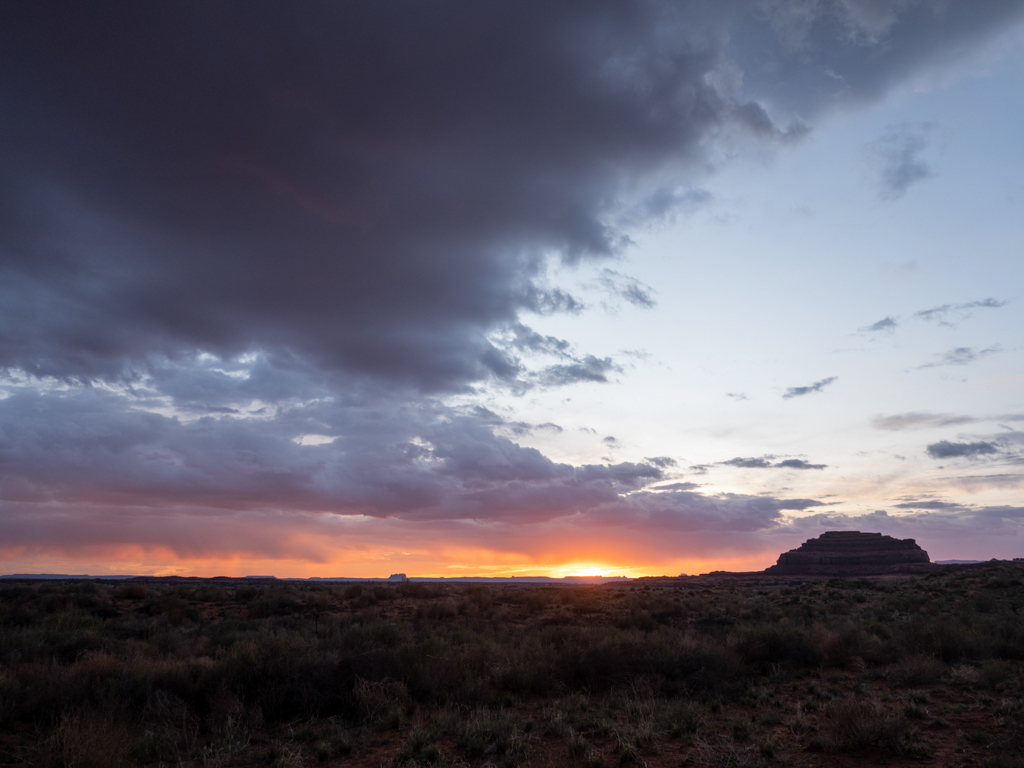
(91, 445)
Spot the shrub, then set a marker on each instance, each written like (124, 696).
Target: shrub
(916, 670)
(995, 671)
(382, 701)
(684, 718)
(88, 740)
(776, 645)
(488, 732)
(130, 591)
(852, 724)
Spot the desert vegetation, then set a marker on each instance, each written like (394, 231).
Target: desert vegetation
(703, 672)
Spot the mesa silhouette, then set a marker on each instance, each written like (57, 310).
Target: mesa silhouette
(852, 553)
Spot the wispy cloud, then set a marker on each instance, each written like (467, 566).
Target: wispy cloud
(945, 313)
(915, 420)
(626, 288)
(665, 203)
(961, 356)
(924, 420)
(897, 159)
(930, 504)
(885, 325)
(809, 389)
(676, 487)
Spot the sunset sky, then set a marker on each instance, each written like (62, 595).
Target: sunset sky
(527, 288)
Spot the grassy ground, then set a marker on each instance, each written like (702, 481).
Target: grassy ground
(705, 672)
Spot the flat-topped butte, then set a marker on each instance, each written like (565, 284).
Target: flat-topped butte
(843, 553)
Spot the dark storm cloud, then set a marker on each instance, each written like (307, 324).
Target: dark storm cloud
(898, 158)
(886, 324)
(375, 187)
(961, 356)
(809, 389)
(944, 449)
(371, 187)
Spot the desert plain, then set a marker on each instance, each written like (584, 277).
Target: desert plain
(716, 670)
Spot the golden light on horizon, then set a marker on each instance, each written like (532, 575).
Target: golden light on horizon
(585, 572)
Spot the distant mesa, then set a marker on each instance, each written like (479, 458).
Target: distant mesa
(398, 577)
(852, 553)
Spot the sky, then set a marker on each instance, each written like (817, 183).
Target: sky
(463, 288)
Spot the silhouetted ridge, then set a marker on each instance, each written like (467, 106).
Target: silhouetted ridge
(844, 553)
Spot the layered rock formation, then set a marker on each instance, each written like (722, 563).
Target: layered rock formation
(852, 553)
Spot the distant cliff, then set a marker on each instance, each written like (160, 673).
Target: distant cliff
(852, 553)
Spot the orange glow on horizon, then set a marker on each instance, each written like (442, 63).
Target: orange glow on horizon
(362, 562)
